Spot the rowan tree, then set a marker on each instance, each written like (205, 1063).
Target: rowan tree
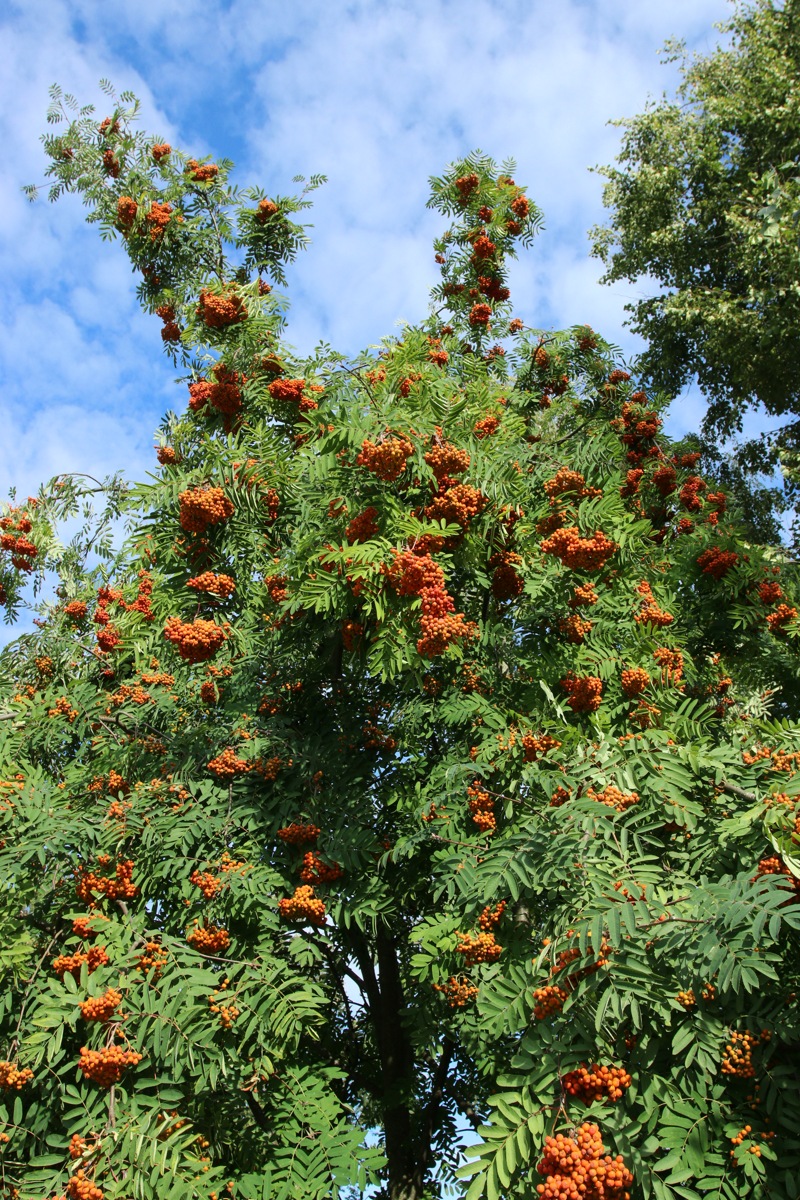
(423, 771)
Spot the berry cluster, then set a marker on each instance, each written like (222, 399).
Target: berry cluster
(612, 797)
(101, 1008)
(227, 765)
(737, 1057)
(15, 526)
(201, 173)
(208, 883)
(664, 479)
(160, 150)
(118, 887)
(297, 834)
(574, 628)
(418, 575)
(227, 1012)
(75, 610)
(81, 1188)
(481, 949)
(153, 959)
(480, 314)
(578, 553)
(363, 527)
(386, 459)
(209, 939)
(70, 964)
(486, 427)
(569, 482)
(217, 585)
(583, 596)
(579, 1169)
(302, 907)
(63, 708)
(774, 865)
(158, 218)
(456, 504)
(650, 613)
(491, 916)
(457, 992)
(547, 1000)
(481, 807)
(203, 506)
(507, 583)
(14, 1078)
(314, 870)
(108, 1065)
(195, 641)
(716, 562)
(782, 615)
(634, 681)
(535, 745)
(596, 1083)
(84, 927)
(352, 632)
(292, 391)
(769, 592)
(218, 310)
(445, 459)
(585, 692)
(671, 663)
(224, 394)
(638, 426)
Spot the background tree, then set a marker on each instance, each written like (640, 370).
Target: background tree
(705, 200)
(428, 758)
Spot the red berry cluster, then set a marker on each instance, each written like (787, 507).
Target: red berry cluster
(774, 865)
(769, 592)
(70, 964)
(716, 562)
(160, 151)
(196, 641)
(118, 887)
(585, 692)
(15, 526)
(292, 391)
(737, 1057)
(387, 458)
(201, 173)
(536, 745)
(208, 883)
(224, 394)
(363, 527)
(569, 482)
(101, 1008)
(466, 185)
(664, 478)
(203, 506)
(76, 610)
(579, 1169)
(108, 1065)
(689, 495)
(217, 585)
(445, 459)
(218, 310)
(314, 870)
(81, 1188)
(574, 628)
(486, 427)
(14, 1078)
(548, 1000)
(650, 612)
(671, 663)
(583, 596)
(456, 504)
(127, 208)
(209, 939)
(352, 633)
(638, 426)
(481, 949)
(158, 218)
(782, 615)
(613, 797)
(297, 834)
(634, 681)
(418, 575)
(579, 553)
(481, 807)
(227, 765)
(596, 1083)
(480, 314)
(303, 907)
(507, 583)
(491, 916)
(457, 992)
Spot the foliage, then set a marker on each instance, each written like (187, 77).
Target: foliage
(426, 762)
(704, 200)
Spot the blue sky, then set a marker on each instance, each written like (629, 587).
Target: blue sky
(378, 96)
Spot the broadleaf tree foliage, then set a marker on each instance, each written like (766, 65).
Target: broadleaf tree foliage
(411, 807)
(704, 200)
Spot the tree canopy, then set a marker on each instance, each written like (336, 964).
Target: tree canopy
(412, 804)
(704, 203)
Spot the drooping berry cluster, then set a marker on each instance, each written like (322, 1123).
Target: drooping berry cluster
(297, 834)
(209, 939)
(481, 949)
(536, 745)
(418, 575)
(737, 1057)
(579, 1169)
(108, 1065)
(548, 1000)
(634, 681)
(567, 482)
(216, 585)
(716, 562)
(774, 865)
(14, 1078)
(650, 612)
(386, 459)
(362, 527)
(457, 992)
(101, 1008)
(782, 615)
(613, 797)
(203, 506)
(223, 394)
(293, 391)
(445, 459)
(574, 628)
(671, 663)
(481, 807)
(218, 310)
(153, 959)
(82, 1188)
(507, 583)
(70, 964)
(227, 765)
(596, 1083)
(585, 692)
(195, 641)
(315, 870)
(302, 907)
(579, 553)
(456, 504)
(118, 887)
